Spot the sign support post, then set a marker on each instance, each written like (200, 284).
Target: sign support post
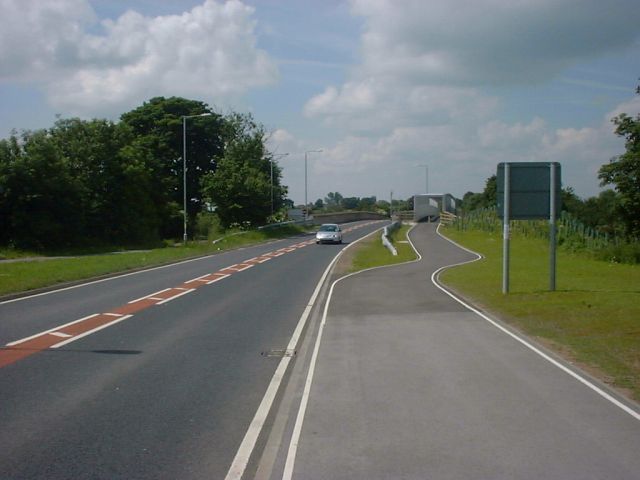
(505, 230)
(552, 228)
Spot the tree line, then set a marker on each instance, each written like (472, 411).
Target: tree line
(616, 211)
(336, 202)
(98, 182)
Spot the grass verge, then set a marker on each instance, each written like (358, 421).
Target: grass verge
(26, 275)
(593, 317)
(372, 253)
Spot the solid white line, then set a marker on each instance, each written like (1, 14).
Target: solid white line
(149, 297)
(221, 277)
(89, 332)
(240, 461)
(575, 375)
(297, 428)
(59, 327)
(166, 300)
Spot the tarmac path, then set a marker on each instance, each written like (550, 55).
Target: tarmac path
(410, 384)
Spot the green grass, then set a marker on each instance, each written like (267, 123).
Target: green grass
(28, 275)
(593, 317)
(372, 253)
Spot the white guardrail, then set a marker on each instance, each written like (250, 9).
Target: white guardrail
(385, 237)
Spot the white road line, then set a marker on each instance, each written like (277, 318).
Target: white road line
(149, 296)
(59, 327)
(564, 368)
(245, 267)
(89, 332)
(166, 300)
(304, 401)
(239, 464)
(221, 277)
(60, 334)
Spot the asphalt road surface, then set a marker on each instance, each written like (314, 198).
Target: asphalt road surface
(407, 383)
(154, 375)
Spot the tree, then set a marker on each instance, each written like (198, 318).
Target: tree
(333, 200)
(157, 126)
(240, 187)
(623, 171)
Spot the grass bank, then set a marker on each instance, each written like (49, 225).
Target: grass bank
(593, 318)
(19, 276)
(372, 253)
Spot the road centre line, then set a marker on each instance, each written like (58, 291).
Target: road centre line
(26, 339)
(166, 300)
(89, 332)
(150, 296)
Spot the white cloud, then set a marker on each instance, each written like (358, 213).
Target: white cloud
(418, 95)
(208, 52)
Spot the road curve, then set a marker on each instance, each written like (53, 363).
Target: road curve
(410, 384)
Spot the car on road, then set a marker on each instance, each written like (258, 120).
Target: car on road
(329, 233)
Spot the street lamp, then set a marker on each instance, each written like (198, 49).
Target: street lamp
(426, 177)
(184, 167)
(272, 156)
(306, 208)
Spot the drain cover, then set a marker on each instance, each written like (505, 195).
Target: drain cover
(278, 352)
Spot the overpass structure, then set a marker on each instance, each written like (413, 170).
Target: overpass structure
(430, 205)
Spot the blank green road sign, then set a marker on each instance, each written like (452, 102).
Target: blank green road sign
(530, 188)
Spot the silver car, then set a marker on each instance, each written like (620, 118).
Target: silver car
(329, 233)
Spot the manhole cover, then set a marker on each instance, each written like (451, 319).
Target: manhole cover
(278, 352)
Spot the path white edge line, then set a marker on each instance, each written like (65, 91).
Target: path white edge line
(304, 401)
(564, 368)
(240, 461)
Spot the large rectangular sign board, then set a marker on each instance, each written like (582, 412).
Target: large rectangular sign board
(529, 190)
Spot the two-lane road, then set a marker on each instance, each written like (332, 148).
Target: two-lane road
(151, 375)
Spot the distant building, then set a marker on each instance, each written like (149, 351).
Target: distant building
(429, 206)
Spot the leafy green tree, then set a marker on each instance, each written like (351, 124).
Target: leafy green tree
(157, 126)
(40, 194)
(367, 203)
(240, 188)
(333, 200)
(350, 203)
(623, 171)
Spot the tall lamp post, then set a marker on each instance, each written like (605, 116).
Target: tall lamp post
(272, 157)
(306, 208)
(184, 167)
(426, 177)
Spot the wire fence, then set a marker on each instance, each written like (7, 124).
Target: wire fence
(571, 233)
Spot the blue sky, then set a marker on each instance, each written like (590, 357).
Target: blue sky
(380, 86)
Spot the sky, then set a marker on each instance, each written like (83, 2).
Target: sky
(400, 95)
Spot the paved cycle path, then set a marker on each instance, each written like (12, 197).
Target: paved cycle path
(410, 384)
